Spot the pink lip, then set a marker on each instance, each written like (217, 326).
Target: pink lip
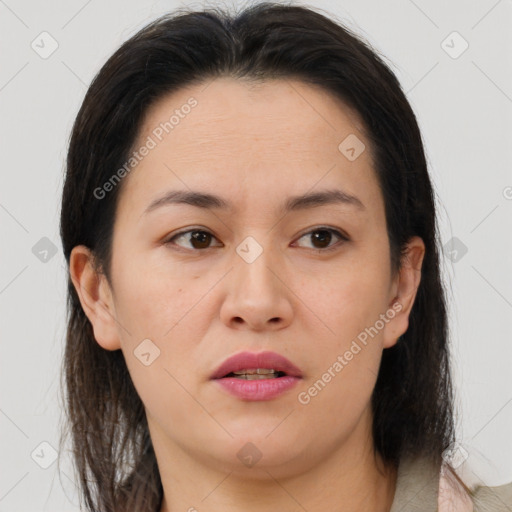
(262, 389)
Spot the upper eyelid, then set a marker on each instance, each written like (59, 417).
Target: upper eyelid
(336, 231)
(179, 233)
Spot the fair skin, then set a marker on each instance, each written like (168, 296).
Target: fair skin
(254, 146)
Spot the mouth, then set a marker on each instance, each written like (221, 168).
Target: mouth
(257, 376)
(256, 366)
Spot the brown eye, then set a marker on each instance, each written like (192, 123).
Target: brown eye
(197, 238)
(321, 238)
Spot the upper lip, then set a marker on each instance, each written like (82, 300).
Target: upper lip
(248, 360)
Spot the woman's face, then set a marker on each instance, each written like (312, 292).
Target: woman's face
(257, 277)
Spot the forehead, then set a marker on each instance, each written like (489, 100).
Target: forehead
(250, 140)
(273, 112)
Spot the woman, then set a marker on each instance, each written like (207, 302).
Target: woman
(256, 315)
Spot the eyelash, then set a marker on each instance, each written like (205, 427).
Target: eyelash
(335, 232)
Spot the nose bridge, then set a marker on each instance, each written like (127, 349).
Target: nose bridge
(255, 295)
(254, 262)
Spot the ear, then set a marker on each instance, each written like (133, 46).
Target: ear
(95, 296)
(404, 289)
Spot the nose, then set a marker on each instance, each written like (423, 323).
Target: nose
(258, 295)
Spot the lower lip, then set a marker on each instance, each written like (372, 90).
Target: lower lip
(260, 389)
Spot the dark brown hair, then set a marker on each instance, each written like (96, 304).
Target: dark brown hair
(412, 399)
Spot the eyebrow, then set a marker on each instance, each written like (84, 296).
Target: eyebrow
(294, 203)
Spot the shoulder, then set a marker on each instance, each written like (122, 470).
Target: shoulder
(495, 499)
(454, 496)
(425, 485)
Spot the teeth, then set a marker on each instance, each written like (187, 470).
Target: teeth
(258, 371)
(255, 376)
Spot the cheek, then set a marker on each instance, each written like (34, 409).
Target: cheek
(346, 357)
(348, 350)
(160, 311)
(339, 403)
(152, 303)
(352, 297)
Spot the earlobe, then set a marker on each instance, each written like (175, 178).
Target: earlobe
(405, 288)
(95, 297)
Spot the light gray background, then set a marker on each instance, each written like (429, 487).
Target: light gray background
(463, 104)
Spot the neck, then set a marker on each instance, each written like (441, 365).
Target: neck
(351, 479)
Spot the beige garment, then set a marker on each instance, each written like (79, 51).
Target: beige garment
(422, 487)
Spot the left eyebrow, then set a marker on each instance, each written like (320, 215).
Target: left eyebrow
(321, 198)
(294, 203)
